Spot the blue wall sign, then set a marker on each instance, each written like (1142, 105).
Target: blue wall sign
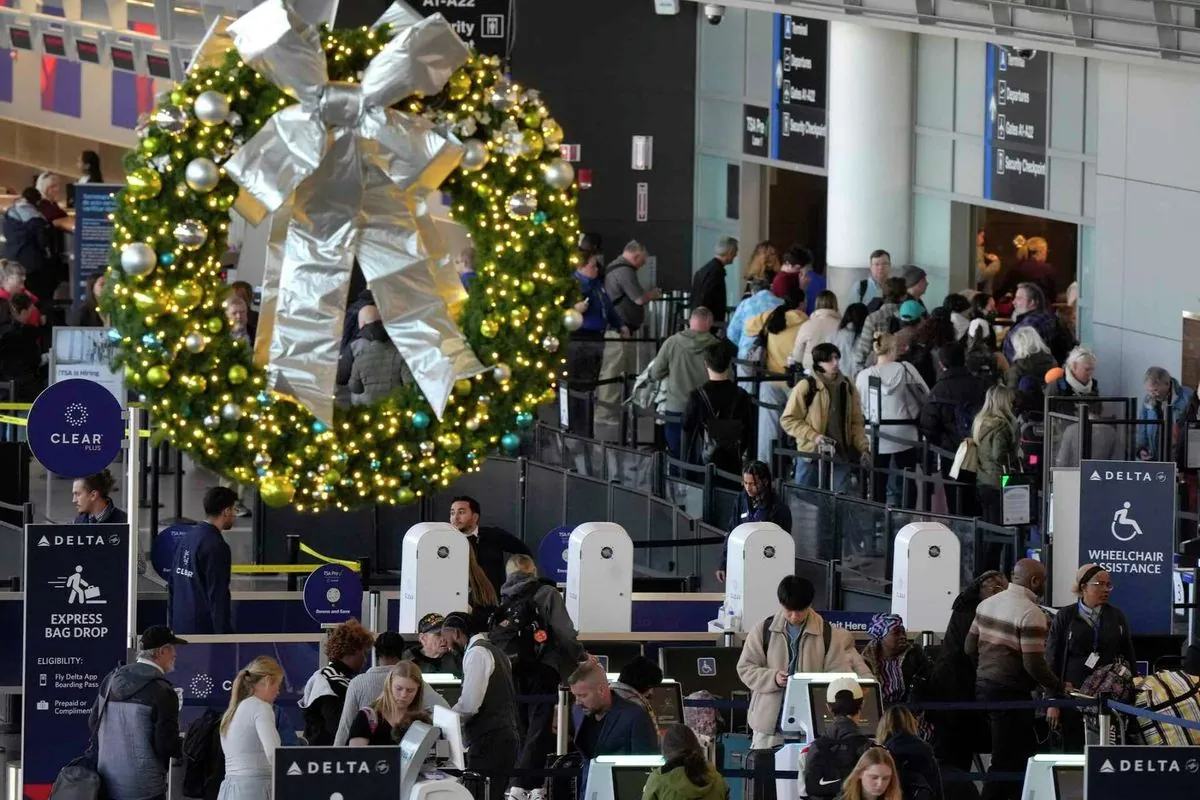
(1014, 148)
(853, 621)
(797, 116)
(1127, 526)
(552, 553)
(76, 604)
(75, 428)
(162, 550)
(94, 203)
(333, 594)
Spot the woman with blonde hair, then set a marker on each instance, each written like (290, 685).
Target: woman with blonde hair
(874, 778)
(899, 732)
(399, 705)
(1032, 267)
(248, 733)
(995, 435)
(763, 264)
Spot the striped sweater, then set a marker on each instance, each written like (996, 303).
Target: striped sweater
(1008, 639)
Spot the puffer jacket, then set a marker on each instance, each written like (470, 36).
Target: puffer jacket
(378, 369)
(997, 453)
(681, 363)
(805, 421)
(139, 733)
(757, 668)
(879, 321)
(26, 237)
(1027, 377)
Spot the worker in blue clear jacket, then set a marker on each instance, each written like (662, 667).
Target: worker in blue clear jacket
(198, 600)
(757, 503)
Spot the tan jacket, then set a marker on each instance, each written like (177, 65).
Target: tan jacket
(806, 422)
(757, 669)
(779, 345)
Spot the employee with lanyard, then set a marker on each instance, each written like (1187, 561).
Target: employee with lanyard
(756, 503)
(1085, 636)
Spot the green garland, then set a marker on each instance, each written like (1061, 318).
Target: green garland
(204, 392)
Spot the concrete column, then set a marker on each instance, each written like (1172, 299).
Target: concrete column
(870, 150)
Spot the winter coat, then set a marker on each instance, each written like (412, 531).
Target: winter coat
(880, 321)
(846, 341)
(708, 289)
(752, 306)
(997, 453)
(681, 363)
(139, 733)
(779, 345)
(757, 669)
(902, 393)
(1108, 444)
(915, 667)
(1183, 409)
(20, 360)
(378, 369)
(1053, 333)
(805, 421)
(821, 327)
(26, 236)
(666, 783)
(1027, 377)
(943, 426)
(323, 701)
(915, 756)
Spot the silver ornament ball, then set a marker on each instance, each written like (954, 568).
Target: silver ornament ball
(472, 424)
(427, 447)
(191, 234)
(262, 460)
(211, 108)
(232, 412)
(502, 97)
(572, 320)
(138, 258)
(550, 344)
(172, 119)
(202, 175)
(521, 204)
(559, 174)
(475, 155)
(212, 422)
(194, 343)
(502, 372)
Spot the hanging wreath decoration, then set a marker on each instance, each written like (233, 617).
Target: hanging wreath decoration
(420, 113)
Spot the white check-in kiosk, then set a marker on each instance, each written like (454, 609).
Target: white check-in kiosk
(926, 575)
(619, 777)
(759, 555)
(600, 578)
(805, 716)
(1054, 776)
(423, 749)
(433, 573)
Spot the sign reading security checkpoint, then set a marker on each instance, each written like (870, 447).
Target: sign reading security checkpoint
(75, 428)
(1127, 527)
(76, 603)
(1118, 773)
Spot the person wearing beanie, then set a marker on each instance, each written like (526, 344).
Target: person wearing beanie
(637, 679)
(916, 282)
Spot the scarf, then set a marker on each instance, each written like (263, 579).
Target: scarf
(1076, 386)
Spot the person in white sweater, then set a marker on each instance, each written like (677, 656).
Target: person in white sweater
(821, 327)
(902, 392)
(248, 734)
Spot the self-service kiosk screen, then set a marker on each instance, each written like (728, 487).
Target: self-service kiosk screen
(450, 692)
(1068, 782)
(872, 709)
(628, 782)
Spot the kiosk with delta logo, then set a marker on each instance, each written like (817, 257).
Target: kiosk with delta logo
(1119, 773)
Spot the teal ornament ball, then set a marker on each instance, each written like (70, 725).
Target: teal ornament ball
(540, 218)
(420, 420)
(524, 419)
(166, 259)
(510, 442)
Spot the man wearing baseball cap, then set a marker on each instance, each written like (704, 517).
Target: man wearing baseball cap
(431, 653)
(135, 720)
(833, 754)
(488, 703)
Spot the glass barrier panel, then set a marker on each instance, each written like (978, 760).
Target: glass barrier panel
(547, 511)
(586, 500)
(862, 527)
(631, 509)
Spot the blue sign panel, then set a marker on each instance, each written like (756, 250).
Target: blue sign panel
(797, 115)
(552, 553)
(1118, 773)
(1127, 526)
(75, 428)
(333, 594)
(162, 549)
(1014, 146)
(94, 205)
(76, 609)
(853, 621)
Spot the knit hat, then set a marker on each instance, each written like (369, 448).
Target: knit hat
(913, 276)
(785, 282)
(911, 311)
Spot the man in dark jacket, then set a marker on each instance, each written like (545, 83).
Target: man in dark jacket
(198, 599)
(1030, 309)
(708, 284)
(585, 352)
(833, 754)
(26, 241)
(377, 369)
(135, 721)
(719, 417)
(431, 653)
(531, 609)
(492, 546)
(757, 502)
(605, 723)
(953, 401)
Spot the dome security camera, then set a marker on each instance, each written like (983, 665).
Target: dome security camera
(714, 13)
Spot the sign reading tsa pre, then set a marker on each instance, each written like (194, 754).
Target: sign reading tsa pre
(756, 131)
(86, 353)
(797, 114)
(1127, 526)
(76, 605)
(552, 553)
(75, 428)
(1014, 152)
(94, 205)
(482, 24)
(349, 772)
(333, 593)
(1118, 773)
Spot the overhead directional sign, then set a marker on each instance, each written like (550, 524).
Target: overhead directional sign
(1018, 90)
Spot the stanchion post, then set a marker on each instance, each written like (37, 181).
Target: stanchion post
(178, 485)
(563, 713)
(373, 619)
(293, 551)
(1105, 721)
(364, 571)
(727, 638)
(155, 477)
(133, 487)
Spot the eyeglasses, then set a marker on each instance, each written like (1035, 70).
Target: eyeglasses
(1101, 584)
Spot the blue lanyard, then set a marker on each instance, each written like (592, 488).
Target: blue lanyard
(1095, 628)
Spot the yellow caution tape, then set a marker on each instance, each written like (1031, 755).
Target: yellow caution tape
(308, 551)
(16, 406)
(262, 569)
(22, 421)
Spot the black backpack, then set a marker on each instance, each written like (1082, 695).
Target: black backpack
(722, 438)
(203, 758)
(830, 762)
(517, 628)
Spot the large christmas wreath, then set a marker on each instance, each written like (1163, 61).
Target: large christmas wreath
(207, 392)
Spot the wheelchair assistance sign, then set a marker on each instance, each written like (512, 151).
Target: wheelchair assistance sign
(1118, 773)
(1127, 527)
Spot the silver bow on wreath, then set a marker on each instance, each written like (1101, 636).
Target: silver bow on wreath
(350, 177)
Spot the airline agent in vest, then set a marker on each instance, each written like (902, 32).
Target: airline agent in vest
(198, 599)
(488, 704)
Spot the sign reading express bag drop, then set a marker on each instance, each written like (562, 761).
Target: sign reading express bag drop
(75, 428)
(76, 604)
(1127, 526)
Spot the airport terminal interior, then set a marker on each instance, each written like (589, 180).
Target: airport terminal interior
(605, 399)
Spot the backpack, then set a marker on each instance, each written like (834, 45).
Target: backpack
(913, 784)
(722, 438)
(964, 420)
(830, 762)
(517, 628)
(826, 635)
(203, 758)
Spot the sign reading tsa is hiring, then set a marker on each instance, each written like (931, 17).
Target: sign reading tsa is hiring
(86, 353)
(75, 428)
(1127, 527)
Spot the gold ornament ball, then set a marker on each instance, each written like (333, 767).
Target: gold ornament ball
(310, 451)
(132, 377)
(532, 119)
(489, 328)
(451, 441)
(214, 324)
(187, 294)
(552, 133)
(459, 85)
(276, 491)
(230, 437)
(148, 302)
(238, 374)
(462, 387)
(451, 472)
(196, 384)
(332, 476)
(143, 183)
(520, 315)
(158, 377)
(405, 496)
(533, 146)
(528, 288)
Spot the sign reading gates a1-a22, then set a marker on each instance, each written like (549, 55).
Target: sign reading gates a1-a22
(76, 611)
(1127, 526)
(483, 24)
(75, 428)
